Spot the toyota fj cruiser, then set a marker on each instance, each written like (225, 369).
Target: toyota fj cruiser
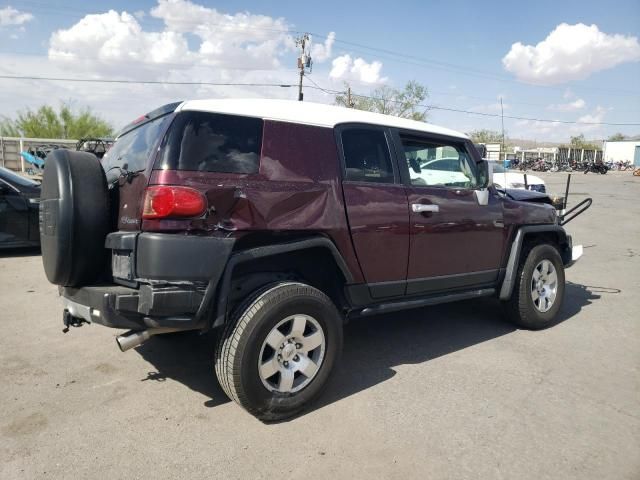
(273, 222)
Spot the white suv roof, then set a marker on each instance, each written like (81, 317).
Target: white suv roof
(309, 113)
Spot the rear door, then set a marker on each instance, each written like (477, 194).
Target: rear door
(455, 241)
(377, 209)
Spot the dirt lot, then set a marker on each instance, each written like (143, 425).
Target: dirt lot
(445, 392)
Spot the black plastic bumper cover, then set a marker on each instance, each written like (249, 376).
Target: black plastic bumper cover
(171, 271)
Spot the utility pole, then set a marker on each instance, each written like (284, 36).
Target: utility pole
(304, 61)
(350, 103)
(502, 118)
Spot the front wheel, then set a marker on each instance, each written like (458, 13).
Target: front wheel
(276, 353)
(539, 290)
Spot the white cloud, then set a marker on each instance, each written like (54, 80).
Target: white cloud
(577, 104)
(106, 39)
(9, 16)
(347, 69)
(193, 43)
(570, 52)
(242, 40)
(597, 116)
(321, 52)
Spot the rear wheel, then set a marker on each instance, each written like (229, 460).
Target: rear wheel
(539, 290)
(276, 353)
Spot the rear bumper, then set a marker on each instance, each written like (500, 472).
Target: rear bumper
(171, 257)
(116, 306)
(168, 282)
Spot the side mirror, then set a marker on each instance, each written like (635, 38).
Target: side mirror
(485, 180)
(485, 174)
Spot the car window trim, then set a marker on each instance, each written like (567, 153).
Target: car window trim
(13, 187)
(391, 149)
(401, 160)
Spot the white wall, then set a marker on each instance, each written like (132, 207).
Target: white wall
(620, 151)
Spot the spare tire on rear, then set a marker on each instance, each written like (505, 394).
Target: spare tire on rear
(74, 218)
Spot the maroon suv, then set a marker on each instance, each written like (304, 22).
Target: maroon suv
(273, 222)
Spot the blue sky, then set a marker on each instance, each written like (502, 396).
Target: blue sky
(589, 73)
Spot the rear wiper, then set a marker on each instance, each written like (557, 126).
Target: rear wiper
(125, 174)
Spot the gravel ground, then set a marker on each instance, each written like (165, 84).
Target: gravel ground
(444, 392)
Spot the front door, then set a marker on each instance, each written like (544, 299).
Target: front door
(455, 241)
(14, 215)
(377, 208)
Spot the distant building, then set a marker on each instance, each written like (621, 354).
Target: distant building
(622, 151)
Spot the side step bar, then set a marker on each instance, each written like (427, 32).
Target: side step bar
(423, 302)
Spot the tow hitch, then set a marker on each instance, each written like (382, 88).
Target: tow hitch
(70, 321)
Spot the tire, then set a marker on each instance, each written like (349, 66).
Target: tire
(521, 308)
(74, 218)
(267, 318)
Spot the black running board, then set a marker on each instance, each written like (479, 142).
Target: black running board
(423, 302)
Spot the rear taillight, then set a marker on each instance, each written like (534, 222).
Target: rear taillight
(170, 201)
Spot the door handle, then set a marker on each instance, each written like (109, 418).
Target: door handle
(422, 208)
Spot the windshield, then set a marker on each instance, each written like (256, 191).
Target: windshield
(15, 179)
(498, 167)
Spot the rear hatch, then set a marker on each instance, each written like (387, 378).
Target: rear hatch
(129, 162)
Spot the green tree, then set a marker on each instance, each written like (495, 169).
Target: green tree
(405, 103)
(579, 142)
(485, 136)
(45, 122)
(616, 137)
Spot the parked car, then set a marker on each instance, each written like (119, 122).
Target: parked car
(274, 222)
(19, 199)
(440, 171)
(502, 178)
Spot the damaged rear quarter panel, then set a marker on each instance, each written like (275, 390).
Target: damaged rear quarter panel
(297, 189)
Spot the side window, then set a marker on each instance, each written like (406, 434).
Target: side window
(213, 142)
(366, 156)
(439, 164)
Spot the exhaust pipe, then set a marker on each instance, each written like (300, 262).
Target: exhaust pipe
(133, 338)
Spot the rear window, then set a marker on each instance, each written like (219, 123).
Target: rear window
(133, 149)
(212, 142)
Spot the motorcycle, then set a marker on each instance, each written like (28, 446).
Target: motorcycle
(597, 168)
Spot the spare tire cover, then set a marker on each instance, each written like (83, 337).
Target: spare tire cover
(74, 218)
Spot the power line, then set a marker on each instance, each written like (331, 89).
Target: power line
(288, 85)
(513, 117)
(146, 82)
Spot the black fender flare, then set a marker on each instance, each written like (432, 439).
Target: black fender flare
(564, 242)
(222, 286)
